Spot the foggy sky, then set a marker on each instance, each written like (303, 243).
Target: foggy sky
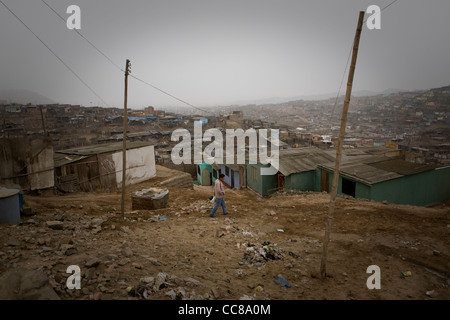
(218, 52)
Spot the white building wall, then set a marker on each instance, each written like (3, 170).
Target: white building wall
(140, 165)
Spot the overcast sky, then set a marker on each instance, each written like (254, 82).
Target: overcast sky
(218, 52)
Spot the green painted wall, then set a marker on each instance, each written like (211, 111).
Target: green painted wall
(203, 166)
(420, 189)
(264, 185)
(303, 181)
(363, 191)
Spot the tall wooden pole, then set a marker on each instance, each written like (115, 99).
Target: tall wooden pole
(124, 150)
(43, 121)
(334, 188)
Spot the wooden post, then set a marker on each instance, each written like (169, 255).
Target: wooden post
(124, 150)
(339, 147)
(43, 122)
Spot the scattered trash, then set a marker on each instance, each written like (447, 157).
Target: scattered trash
(219, 234)
(258, 253)
(162, 218)
(282, 282)
(259, 289)
(131, 291)
(406, 274)
(430, 293)
(280, 230)
(142, 291)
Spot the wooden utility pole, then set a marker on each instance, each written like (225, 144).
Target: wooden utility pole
(339, 147)
(43, 121)
(124, 150)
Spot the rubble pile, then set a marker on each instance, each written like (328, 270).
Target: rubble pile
(258, 254)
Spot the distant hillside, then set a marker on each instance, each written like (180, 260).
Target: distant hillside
(276, 100)
(24, 97)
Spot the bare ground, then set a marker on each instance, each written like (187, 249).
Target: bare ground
(219, 258)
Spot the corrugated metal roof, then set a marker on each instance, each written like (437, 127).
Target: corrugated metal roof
(301, 159)
(374, 169)
(64, 157)
(366, 173)
(402, 167)
(60, 159)
(103, 148)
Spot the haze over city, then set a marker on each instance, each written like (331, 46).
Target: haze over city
(210, 53)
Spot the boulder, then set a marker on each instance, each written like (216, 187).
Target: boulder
(24, 284)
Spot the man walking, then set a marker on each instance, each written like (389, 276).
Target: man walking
(219, 193)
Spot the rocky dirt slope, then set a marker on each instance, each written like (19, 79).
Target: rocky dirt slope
(266, 248)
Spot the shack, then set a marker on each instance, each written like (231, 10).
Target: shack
(393, 180)
(99, 167)
(27, 162)
(297, 171)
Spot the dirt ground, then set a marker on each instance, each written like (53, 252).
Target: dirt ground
(179, 252)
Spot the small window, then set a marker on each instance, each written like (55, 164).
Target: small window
(348, 187)
(227, 171)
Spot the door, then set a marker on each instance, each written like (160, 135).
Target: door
(206, 177)
(324, 181)
(280, 179)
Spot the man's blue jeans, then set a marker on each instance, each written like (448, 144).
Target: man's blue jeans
(219, 202)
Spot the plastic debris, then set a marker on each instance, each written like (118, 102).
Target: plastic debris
(259, 289)
(406, 274)
(282, 282)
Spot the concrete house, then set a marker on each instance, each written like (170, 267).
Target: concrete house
(99, 167)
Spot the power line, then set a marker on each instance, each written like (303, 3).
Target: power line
(62, 61)
(118, 67)
(348, 60)
(169, 94)
(79, 33)
(389, 5)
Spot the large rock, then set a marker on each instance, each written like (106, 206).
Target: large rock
(55, 225)
(24, 284)
(150, 199)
